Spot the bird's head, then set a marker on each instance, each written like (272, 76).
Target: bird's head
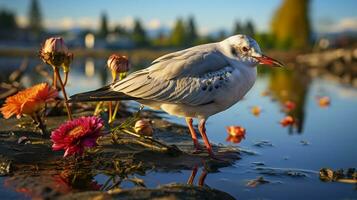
(246, 50)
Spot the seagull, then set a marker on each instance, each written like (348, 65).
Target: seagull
(197, 82)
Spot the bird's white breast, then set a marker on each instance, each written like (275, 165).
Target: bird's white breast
(240, 82)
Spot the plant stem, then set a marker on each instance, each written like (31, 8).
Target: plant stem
(98, 109)
(39, 123)
(65, 78)
(64, 95)
(54, 83)
(110, 111)
(117, 104)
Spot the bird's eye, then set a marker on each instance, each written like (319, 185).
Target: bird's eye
(245, 49)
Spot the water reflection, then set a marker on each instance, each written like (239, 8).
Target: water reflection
(89, 67)
(293, 86)
(201, 179)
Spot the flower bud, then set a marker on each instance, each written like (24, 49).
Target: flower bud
(143, 127)
(54, 51)
(55, 45)
(118, 64)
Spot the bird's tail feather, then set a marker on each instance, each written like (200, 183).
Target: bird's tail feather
(101, 94)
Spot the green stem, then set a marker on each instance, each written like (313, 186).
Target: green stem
(98, 108)
(117, 104)
(39, 123)
(65, 78)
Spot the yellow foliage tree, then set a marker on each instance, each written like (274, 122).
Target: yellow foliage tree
(290, 25)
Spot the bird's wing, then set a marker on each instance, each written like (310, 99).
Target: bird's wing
(194, 62)
(190, 76)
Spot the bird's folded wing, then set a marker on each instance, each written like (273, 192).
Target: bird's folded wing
(193, 62)
(190, 76)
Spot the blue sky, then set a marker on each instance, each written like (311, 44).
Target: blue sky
(210, 15)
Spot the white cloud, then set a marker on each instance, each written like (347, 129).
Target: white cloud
(346, 24)
(66, 23)
(203, 30)
(154, 24)
(127, 22)
(327, 25)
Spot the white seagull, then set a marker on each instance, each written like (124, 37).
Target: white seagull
(193, 83)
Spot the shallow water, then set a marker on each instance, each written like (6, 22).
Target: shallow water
(330, 134)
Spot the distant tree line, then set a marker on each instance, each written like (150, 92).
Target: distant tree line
(290, 28)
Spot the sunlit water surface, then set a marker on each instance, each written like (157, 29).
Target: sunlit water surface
(331, 134)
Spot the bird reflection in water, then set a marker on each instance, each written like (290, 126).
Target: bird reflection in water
(201, 179)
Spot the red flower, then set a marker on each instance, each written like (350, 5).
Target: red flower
(289, 105)
(287, 121)
(76, 135)
(235, 134)
(28, 101)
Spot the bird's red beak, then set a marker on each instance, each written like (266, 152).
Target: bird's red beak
(266, 60)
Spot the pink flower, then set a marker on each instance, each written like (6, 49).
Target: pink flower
(76, 135)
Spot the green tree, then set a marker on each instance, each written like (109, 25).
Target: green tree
(178, 34)
(7, 20)
(191, 31)
(139, 34)
(249, 29)
(237, 28)
(103, 30)
(291, 25)
(121, 30)
(35, 19)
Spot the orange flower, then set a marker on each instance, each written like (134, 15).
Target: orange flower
(235, 134)
(28, 101)
(289, 105)
(287, 121)
(256, 110)
(323, 101)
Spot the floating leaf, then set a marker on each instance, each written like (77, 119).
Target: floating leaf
(235, 134)
(323, 101)
(256, 110)
(287, 121)
(289, 105)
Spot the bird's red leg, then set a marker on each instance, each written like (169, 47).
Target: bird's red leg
(193, 133)
(202, 129)
(202, 179)
(192, 176)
